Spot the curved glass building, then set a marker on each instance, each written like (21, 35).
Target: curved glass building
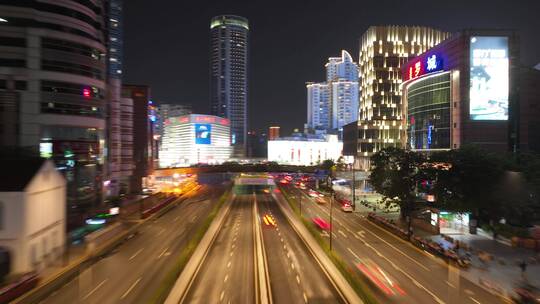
(52, 88)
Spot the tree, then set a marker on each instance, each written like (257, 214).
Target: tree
(395, 174)
(470, 182)
(327, 164)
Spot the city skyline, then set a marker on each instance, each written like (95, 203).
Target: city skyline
(182, 72)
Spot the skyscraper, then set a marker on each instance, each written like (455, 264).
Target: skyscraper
(334, 103)
(53, 86)
(383, 50)
(229, 75)
(118, 169)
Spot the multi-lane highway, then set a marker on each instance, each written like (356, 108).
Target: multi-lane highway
(134, 271)
(228, 274)
(408, 274)
(295, 275)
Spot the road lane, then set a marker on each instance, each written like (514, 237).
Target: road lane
(134, 270)
(425, 279)
(295, 275)
(227, 273)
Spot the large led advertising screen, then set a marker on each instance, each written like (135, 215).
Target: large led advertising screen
(203, 134)
(489, 78)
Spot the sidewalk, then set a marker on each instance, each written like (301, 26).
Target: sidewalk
(500, 274)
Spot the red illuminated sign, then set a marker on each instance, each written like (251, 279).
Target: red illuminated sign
(86, 92)
(423, 65)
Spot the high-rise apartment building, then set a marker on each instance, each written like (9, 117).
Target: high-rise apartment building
(383, 50)
(229, 75)
(334, 103)
(53, 89)
(319, 109)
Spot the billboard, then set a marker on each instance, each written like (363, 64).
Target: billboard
(203, 134)
(489, 78)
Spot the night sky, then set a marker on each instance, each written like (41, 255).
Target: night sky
(167, 44)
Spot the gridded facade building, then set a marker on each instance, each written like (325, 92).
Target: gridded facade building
(383, 50)
(229, 75)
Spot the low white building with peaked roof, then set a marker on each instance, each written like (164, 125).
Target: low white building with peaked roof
(32, 213)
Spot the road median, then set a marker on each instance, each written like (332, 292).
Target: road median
(176, 285)
(330, 263)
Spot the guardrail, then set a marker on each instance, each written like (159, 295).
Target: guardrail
(340, 283)
(193, 265)
(264, 290)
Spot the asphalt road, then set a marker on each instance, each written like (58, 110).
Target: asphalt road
(423, 277)
(134, 270)
(227, 274)
(295, 275)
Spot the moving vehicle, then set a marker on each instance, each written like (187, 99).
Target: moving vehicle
(322, 224)
(346, 205)
(379, 278)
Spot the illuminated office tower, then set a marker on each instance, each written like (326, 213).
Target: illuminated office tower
(383, 50)
(228, 75)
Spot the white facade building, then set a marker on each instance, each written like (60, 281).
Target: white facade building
(33, 210)
(334, 103)
(304, 151)
(195, 139)
(318, 106)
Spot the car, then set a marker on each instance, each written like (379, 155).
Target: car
(346, 208)
(380, 278)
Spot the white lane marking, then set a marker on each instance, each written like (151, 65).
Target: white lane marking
(342, 233)
(163, 252)
(135, 254)
(403, 253)
(232, 253)
(297, 279)
(407, 275)
(292, 265)
(161, 231)
(354, 254)
(469, 292)
(450, 284)
(229, 264)
(475, 300)
(222, 295)
(305, 298)
(194, 218)
(94, 290)
(130, 288)
(176, 218)
(226, 278)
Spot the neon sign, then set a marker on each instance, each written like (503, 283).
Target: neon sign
(422, 66)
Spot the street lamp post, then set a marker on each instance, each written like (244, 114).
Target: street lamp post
(329, 182)
(353, 184)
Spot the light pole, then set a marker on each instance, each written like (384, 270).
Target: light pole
(329, 182)
(353, 184)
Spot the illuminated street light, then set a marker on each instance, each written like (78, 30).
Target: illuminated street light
(176, 176)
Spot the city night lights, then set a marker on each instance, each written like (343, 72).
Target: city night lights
(233, 152)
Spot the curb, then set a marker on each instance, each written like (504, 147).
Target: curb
(343, 287)
(186, 278)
